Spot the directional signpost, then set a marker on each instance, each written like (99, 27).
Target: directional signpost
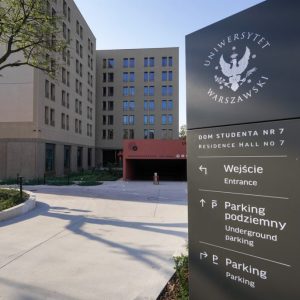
(244, 155)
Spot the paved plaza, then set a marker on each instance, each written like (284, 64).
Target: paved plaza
(112, 242)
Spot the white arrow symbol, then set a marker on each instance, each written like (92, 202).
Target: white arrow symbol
(201, 169)
(203, 255)
(202, 201)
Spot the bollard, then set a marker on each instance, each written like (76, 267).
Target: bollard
(155, 178)
(21, 187)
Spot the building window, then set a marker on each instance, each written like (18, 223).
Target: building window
(79, 157)
(125, 91)
(149, 105)
(167, 90)
(63, 98)
(131, 105)
(167, 75)
(128, 77)
(104, 105)
(110, 63)
(125, 62)
(110, 105)
(170, 119)
(131, 77)
(110, 77)
(68, 78)
(103, 134)
(52, 92)
(149, 62)
(64, 30)
(110, 120)
(148, 90)
(128, 105)
(65, 8)
(131, 91)
(149, 76)
(104, 120)
(170, 104)
(148, 133)
(131, 120)
(52, 117)
(81, 32)
(131, 133)
(110, 134)
(164, 104)
(151, 119)
(67, 157)
(76, 125)
(125, 105)
(104, 91)
(50, 158)
(164, 119)
(125, 120)
(131, 62)
(46, 115)
(128, 120)
(151, 134)
(110, 91)
(63, 74)
(167, 61)
(63, 121)
(89, 157)
(125, 77)
(125, 134)
(47, 85)
(67, 122)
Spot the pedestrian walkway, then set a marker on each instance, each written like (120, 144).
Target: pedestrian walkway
(112, 242)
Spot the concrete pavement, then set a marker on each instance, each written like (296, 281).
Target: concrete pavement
(110, 242)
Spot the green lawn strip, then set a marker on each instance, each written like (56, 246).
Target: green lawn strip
(89, 183)
(10, 198)
(88, 177)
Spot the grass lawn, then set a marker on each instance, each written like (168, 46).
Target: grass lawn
(10, 198)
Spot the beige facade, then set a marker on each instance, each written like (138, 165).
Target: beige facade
(137, 98)
(48, 125)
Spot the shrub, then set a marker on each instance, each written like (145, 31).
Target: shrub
(10, 198)
(181, 267)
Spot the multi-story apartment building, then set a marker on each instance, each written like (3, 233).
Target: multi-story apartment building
(48, 125)
(137, 98)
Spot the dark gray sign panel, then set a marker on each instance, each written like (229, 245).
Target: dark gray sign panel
(244, 211)
(245, 68)
(244, 155)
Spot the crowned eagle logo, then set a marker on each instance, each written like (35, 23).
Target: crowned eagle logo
(234, 70)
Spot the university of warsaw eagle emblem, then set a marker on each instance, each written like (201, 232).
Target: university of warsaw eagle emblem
(235, 70)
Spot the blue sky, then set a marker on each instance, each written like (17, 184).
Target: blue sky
(123, 24)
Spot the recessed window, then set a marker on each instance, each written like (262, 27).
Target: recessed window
(110, 63)
(131, 62)
(149, 62)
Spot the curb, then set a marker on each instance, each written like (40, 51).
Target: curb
(18, 210)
